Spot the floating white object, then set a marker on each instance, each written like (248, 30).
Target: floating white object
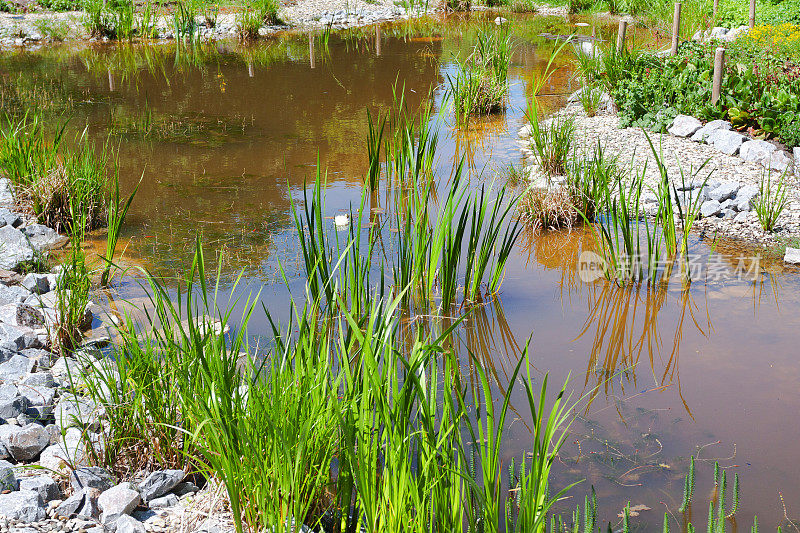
(500, 20)
(582, 24)
(341, 220)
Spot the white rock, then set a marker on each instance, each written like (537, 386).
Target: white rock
(757, 151)
(702, 134)
(117, 501)
(792, 256)
(684, 126)
(710, 208)
(727, 142)
(780, 161)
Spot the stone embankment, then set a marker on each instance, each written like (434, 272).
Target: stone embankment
(51, 433)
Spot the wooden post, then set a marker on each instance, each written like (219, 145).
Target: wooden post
(250, 70)
(378, 37)
(594, 32)
(311, 50)
(752, 14)
(676, 29)
(623, 27)
(719, 64)
(112, 85)
(716, 9)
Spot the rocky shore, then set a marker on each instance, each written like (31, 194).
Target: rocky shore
(51, 432)
(734, 166)
(35, 29)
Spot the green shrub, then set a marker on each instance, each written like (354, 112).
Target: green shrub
(60, 5)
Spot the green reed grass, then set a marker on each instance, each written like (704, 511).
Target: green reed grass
(117, 212)
(551, 141)
(52, 183)
(771, 202)
(72, 290)
(481, 81)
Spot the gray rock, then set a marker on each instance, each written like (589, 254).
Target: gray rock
(684, 126)
(727, 142)
(159, 483)
(43, 238)
(21, 315)
(745, 196)
(757, 151)
(36, 283)
(27, 443)
(796, 155)
(780, 161)
(47, 488)
(38, 396)
(39, 379)
(725, 191)
(185, 487)
(15, 368)
(728, 214)
(741, 217)
(168, 500)
(14, 248)
(792, 256)
(117, 501)
(702, 134)
(9, 217)
(67, 452)
(710, 208)
(128, 524)
(42, 359)
(12, 408)
(82, 503)
(8, 481)
(91, 477)
(76, 411)
(13, 294)
(8, 392)
(24, 505)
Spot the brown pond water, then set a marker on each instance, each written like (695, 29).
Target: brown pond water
(224, 137)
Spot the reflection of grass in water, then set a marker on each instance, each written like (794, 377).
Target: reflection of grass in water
(23, 93)
(194, 129)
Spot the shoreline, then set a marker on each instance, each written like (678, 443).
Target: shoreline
(34, 29)
(725, 171)
(51, 430)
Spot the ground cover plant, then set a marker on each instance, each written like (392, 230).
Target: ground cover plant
(760, 94)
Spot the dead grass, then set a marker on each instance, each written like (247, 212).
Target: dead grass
(550, 208)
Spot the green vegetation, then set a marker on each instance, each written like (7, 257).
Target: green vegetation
(771, 201)
(733, 13)
(52, 185)
(481, 82)
(759, 94)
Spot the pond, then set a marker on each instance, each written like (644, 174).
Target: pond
(224, 138)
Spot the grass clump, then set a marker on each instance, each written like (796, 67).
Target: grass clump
(771, 202)
(52, 185)
(523, 6)
(253, 16)
(481, 82)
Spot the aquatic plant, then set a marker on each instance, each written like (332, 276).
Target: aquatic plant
(49, 184)
(481, 81)
(551, 140)
(688, 488)
(117, 212)
(771, 202)
(72, 291)
(620, 231)
(184, 21)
